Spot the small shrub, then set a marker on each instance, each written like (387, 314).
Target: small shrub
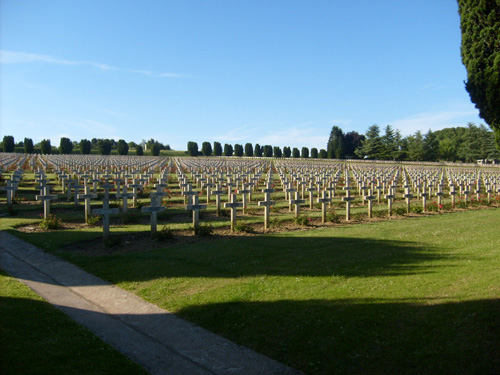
(164, 234)
(302, 220)
(204, 229)
(417, 209)
(140, 204)
(461, 204)
(379, 213)
(359, 216)
(332, 216)
(52, 222)
(243, 227)
(94, 221)
(400, 211)
(446, 206)
(433, 207)
(275, 209)
(275, 223)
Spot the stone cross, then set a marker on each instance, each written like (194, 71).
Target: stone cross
(10, 189)
(369, 197)
(424, 196)
(311, 190)
(390, 197)
(439, 195)
(452, 194)
(289, 192)
(105, 211)
(124, 195)
(135, 187)
(245, 191)
(153, 210)
(195, 206)
(324, 201)
(217, 192)
(408, 196)
(348, 199)
(46, 198)
(297, 203)
(87, 196)
(267, 203)
(233, 205)
(76, 185)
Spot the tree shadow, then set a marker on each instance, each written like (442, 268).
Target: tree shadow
(363, 336)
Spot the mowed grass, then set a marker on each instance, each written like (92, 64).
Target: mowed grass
(411, 296)
(36, 338)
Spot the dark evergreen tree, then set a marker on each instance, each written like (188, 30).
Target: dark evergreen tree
(323, 154)
(238, 150)
(352, 141)
(206, 149)
(65, 146)
(85, 146)
(335, 145)
(104, 146)
(480, 25)
(287, 152)
(314, 153)
(192, 148)
(371, 147)
(228, 150)
(8, 143)
(155, 149)
(430, 147)
(248, 149)
(296, 152)
(305, 153)
(46, 147)
(277, 152)
(416, 146)
(217, 149)
(268, 151)
(257, 150)
(28, 145)
(139, 151)
(122, 147)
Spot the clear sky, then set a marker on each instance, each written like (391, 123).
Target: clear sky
(234, 71)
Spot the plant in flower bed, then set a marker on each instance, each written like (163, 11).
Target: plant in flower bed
(243, 227)
(416, 209)
(94, 220)
(275, 222)
(52, 222)
(203, 229)
(302, 220)
(461, 204)
(433, 207)
(332, 216)
(12, 211)
(400, 210)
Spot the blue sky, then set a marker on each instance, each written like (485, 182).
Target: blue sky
(268, 72)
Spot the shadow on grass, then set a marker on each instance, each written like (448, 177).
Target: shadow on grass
(363, 336)
(249, 256)
(316, 336)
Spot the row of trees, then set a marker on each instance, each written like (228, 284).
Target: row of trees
(466, 144)
(85, 146)
(249, 150)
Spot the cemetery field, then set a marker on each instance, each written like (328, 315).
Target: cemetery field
(419, 295)
(36, 338)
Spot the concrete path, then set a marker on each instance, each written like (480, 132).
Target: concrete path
(154, 338)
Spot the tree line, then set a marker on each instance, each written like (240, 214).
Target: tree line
(84, 146)
(461, 144)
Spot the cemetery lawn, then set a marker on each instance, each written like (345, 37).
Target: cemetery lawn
(36, 338)
(420, 295)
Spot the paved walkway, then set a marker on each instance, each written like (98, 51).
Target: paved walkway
(154, 338)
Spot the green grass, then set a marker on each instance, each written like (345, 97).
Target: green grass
(36, 338)
(410, 296)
